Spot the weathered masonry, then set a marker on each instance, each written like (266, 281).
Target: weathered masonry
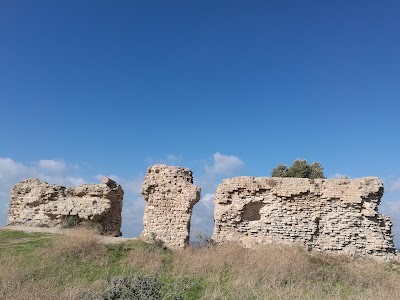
(170, 196)
(37, 203)
(332, 215)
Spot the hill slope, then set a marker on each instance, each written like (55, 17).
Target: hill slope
(77, 265)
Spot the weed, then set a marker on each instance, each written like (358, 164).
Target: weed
(70, 221)
(81, 242)
(156, 242)
(203, 240)
(133, 287)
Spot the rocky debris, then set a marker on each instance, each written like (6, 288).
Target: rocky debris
(37, 203)
(330, 215)
(170, 196)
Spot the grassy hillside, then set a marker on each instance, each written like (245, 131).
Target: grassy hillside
(78, 266)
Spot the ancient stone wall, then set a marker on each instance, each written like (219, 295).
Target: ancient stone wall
(332, 215)
(170, 196)
(37, 203)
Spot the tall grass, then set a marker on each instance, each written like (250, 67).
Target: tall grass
(79, 266)
(282, 272)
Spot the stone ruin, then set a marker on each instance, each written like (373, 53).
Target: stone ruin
(170, 196)
(37, 203)
(330, 215)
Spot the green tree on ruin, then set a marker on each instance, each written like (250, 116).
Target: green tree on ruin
(280, 171)
(299, 169)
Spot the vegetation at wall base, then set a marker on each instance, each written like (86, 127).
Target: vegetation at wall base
(79, 266)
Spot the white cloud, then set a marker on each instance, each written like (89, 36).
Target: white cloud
(10, 169)
(52, 165)
(207, 200)
(203, 212)
(224, 165)
(339, 175)
(75, 181)
(173, 159)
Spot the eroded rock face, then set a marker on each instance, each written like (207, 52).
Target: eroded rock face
(332, 215)
(170, 196)
(37, 203)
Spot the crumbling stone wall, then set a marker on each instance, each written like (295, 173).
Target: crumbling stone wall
(37, 203)
(170, 196)
(332, 215)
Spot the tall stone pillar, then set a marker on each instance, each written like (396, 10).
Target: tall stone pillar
(170, 196)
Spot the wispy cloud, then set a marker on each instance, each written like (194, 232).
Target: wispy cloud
(226, 165)
(207, 200)
(52, 165)
(168, 159)
(339, 175)
(394, 185)
(392, 209)
(53, 171)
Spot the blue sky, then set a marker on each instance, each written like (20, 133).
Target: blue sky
(226, 88)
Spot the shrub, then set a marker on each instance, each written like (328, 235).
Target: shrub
(146, 287)
(70, 221)
(299, 169)
(156, 242)
(133, 287)
(280, 171)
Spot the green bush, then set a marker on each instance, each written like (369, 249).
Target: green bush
(299, 169)
(147, 287)
(280, 171)
(136, 287)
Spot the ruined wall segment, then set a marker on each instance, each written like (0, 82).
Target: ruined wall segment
(331, 215)
(37, 203)
(170, 196)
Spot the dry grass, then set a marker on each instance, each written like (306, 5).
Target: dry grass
(144, 259)
(67, 266)
(43, 290)
(61, 267)
(81, 242)
(282, 272)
